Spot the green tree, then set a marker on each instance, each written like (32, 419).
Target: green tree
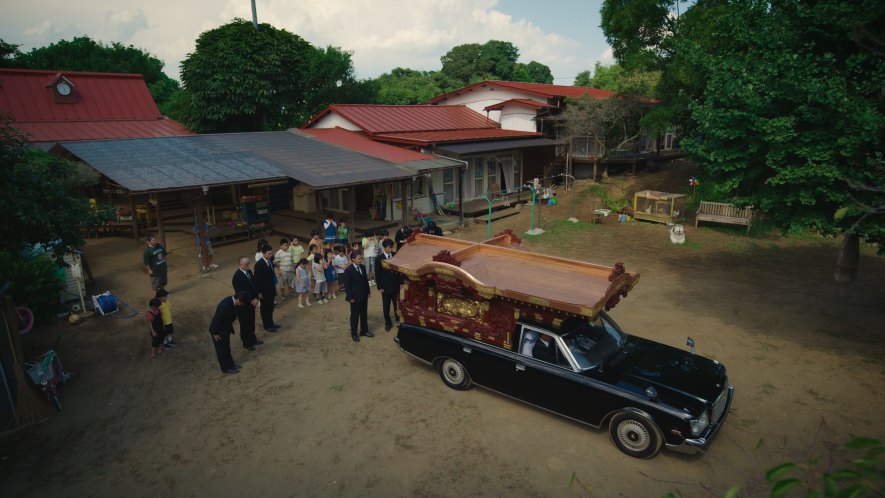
(408, 86)
(8, 53)
(332, 81)
(39, 191)
(533, 72)
(465, 63)
(493, 60)
(612, 123)
(85, 54)
(584, 78)
(242, 79)
(790, 118)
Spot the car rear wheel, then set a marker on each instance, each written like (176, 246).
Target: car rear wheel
(454, 374)
(635, 435)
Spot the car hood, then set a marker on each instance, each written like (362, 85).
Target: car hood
(678, 376)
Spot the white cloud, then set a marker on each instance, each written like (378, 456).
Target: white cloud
(381, 34)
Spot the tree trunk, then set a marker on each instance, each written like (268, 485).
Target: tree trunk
(847, 261)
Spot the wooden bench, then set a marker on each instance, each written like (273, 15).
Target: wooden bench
(721, 212)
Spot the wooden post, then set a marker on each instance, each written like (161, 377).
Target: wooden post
(402, 201)
(320, 215)
(351, 201)
(161, 233)
(460, 197)
(135, 232)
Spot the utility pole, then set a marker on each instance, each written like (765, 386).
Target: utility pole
(254, 16)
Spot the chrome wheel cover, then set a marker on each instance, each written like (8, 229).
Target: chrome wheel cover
(453, 372)
(633, 435)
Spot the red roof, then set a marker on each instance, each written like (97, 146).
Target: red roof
(533, 104)
(540, 89)
(433, 137)
(107, 105)
(359, 142)
(386, 119)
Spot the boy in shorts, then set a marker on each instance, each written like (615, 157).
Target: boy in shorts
(166, 314)
(155, 327)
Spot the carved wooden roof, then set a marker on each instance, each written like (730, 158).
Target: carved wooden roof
(501, 267)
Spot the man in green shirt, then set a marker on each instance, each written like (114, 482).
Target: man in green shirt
(155, 263)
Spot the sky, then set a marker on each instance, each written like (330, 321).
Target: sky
(381, 34)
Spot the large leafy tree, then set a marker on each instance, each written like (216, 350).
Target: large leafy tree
(612, 123)
(38, 191)
(242, 79)
(493, 60)
(533, 72)
(85, 54)
(408, 86)
(790, 118)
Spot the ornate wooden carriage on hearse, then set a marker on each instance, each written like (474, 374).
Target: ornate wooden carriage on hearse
(480, 290)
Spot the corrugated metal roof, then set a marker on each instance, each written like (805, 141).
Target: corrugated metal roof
(100, 130)
(386, 119)
(361, 143)
(149, 164)
(540, 89)
(476, 147)
(534, 104)
(432, 137)
(107, 105)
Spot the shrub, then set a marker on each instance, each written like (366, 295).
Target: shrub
(36, 283)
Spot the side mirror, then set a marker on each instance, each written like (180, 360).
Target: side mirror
(690, 343)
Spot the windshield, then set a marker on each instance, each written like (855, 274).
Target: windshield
(592, 342)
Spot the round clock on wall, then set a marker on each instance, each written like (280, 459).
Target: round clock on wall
(63, 89)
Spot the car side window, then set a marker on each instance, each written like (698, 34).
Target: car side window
(529, 338)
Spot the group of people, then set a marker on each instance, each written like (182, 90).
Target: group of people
(331, 265)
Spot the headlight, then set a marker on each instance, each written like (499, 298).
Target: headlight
(699, 424)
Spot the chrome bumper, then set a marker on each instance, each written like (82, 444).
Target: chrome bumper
(696, 445)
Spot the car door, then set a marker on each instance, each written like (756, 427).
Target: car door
(555, 386)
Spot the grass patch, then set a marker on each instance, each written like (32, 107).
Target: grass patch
(337, 387)
(767, 388)
(689, 245)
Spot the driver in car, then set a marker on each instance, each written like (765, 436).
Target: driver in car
(545, 349)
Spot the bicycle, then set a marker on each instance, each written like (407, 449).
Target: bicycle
(47, 372)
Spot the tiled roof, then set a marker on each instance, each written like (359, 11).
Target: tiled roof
(540, 89)
(386, 119)
(152, 164)
(107, 105)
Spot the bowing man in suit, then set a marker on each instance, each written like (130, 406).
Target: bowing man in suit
(356, 290)
(388, 283)
(244, 280)
(222, 327)
(264, 275)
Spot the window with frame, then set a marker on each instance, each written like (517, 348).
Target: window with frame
(448, 185)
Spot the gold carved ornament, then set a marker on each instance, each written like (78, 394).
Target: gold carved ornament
(449, 305)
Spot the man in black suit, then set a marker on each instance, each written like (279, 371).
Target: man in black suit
(244, 280)
(545, 349)
(222, 327)
(402, 235)
(356, 290)
(266, 289)
(388, 283)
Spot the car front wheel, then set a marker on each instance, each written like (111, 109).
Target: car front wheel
(454, 374)
(635, 435)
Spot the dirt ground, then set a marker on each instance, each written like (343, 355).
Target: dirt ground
(314, 414)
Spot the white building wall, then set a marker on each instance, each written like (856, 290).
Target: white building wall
(517, 117)
(481, 97)
(334, 120)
